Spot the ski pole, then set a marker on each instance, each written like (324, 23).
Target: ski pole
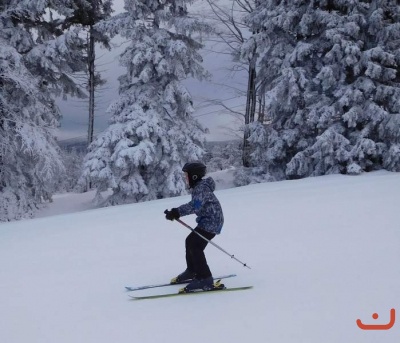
(212, 243)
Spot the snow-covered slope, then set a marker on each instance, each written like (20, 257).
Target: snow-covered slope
(323, 251)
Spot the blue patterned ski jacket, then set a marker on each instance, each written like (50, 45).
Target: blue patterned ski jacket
(206, 206)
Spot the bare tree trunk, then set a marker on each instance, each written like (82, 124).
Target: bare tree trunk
(91, 86)
(91, 61)
(251, 101)
(261, 108)
(232, 34)
(2, 147)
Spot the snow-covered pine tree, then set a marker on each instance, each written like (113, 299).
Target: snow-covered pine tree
(330, 72)
(31, 58)
(151, 133)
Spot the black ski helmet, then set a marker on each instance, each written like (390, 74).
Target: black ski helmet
(196, 170)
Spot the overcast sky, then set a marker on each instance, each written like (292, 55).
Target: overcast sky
(221, 87)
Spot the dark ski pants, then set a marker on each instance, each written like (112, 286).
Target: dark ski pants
(195, 258)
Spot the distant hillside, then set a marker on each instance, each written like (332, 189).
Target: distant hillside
(78, 144)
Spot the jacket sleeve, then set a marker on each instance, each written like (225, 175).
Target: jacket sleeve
(195, 205)
(186, 209)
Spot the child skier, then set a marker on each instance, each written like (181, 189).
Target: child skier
(209, 223)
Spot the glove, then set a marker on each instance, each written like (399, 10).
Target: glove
(171, 215)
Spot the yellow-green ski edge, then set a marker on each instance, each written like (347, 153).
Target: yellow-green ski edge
(170, 295)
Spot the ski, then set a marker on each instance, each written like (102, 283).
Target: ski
(170, 295)
(131, 289)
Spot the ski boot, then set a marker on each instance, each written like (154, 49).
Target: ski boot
(206, 284)
(186, 276)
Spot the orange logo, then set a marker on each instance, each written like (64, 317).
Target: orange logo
(378, 326)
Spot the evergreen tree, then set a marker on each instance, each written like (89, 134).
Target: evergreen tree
(330, 73)
(151, 133)
(35, 60)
